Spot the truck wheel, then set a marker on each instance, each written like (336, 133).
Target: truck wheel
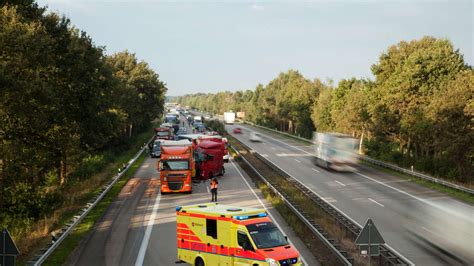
(199, 262)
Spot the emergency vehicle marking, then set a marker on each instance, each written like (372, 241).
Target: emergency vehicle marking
(188, 240)
(224, 255)
(195, 223)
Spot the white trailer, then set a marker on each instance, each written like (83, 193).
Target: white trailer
(229, 117)
(336, 151)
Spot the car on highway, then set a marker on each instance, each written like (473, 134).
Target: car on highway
(155, 152)
(181, 131)
(255, 137)
(237, 130)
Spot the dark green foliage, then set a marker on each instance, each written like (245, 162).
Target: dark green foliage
(418, 112)
(216, 125)
(64, 108)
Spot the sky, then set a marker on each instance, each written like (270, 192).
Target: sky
(210, 46)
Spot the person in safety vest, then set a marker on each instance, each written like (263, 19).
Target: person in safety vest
(214, 189)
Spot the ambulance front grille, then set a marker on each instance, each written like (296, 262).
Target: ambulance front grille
(175, 185)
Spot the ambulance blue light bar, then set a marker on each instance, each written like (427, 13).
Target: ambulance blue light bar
(245, 217)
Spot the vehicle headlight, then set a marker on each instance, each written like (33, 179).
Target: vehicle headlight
(271, 262)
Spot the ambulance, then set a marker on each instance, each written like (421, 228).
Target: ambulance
(213, 234)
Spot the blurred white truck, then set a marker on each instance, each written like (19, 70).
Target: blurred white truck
(229, 117)
(336, 151)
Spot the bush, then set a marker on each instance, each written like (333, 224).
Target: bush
(90, 165)
(216, 125)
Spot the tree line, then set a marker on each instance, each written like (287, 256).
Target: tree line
(419, 110)
(64, 102)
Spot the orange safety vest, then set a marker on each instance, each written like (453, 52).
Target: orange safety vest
(213, 184)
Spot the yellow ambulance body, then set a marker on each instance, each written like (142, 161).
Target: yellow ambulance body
(221, 235)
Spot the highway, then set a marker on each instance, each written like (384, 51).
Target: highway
(401, 210)
(139, 227)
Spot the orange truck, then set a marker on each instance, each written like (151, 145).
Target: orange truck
(215, 234)
(176, 166)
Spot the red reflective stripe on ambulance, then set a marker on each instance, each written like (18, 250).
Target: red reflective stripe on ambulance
(189, 237)
(182, 225)
(185, 231)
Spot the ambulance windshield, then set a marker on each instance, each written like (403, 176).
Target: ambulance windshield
(266, 235)
(176, 165)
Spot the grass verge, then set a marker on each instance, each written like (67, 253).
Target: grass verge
(280, 134)
(317, 214)
(61, 254)
(457, 194)
(79, 194)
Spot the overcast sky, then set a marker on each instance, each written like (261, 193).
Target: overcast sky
(198, 46)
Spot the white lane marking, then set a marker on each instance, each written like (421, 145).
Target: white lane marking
(398, 190)
(376, 181)
(266, 136)
(149, 227)
(340, 183)
(298, 160)
(263, 205)
(376, 202)
(292, 155)
(392, 249)
(316, 170)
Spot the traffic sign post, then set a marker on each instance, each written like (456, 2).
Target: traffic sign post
(8, 249)
(369, 240)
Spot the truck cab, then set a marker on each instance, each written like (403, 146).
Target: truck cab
(164, 133)
(210, 162)
(214, 234)
(176, 166)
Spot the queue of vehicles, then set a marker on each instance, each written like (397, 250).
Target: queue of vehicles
(187, 157)
(214, 234)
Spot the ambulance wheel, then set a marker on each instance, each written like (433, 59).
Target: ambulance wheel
(199, 262)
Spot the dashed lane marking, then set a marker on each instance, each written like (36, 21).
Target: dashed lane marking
(376, 202)
(263, 205)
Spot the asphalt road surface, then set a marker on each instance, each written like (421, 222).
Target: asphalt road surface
(425, 226)
(139, 227)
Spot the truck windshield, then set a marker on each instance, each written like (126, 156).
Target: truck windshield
(266, 235)
(162, 133)
(176, 165)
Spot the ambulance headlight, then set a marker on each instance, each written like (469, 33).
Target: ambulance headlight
(271, 262)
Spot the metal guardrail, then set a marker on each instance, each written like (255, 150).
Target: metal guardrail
(390, 255)
(384, 164)
(69, 227)
(316, 229)
(417, 174)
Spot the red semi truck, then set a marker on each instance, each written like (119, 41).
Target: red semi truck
(210, 158)
(164, 133)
